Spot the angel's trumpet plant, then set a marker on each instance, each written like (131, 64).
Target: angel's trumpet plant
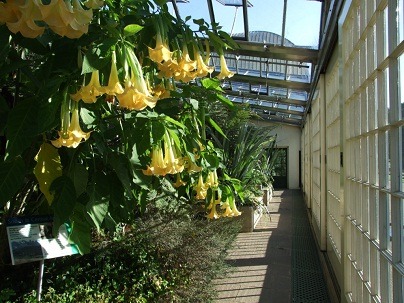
(157, 166)
(161, 52)
(114, 86)
(71, 134)
(94, 4)
(136, 95)
(212, 180)
(89, 93)
(202, 69)
(174, 164)
(80, 22)
(201, 189)
(224, 70)
(227, 210)
(179, 182)
(212, 205)
(21, 17)
(233, 207)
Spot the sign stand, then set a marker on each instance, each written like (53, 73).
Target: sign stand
(40, 278)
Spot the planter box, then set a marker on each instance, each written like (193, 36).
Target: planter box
(250, 217)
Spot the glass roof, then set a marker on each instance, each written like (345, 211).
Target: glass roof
(279, 41)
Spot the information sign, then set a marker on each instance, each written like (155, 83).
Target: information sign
(31, 239)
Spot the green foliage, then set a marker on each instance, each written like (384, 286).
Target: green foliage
(161, 258)
(101, 182)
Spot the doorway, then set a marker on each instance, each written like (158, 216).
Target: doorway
(281, 169)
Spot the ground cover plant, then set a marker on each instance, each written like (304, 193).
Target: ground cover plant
(158, 259)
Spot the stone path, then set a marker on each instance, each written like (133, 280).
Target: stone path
(262, 260)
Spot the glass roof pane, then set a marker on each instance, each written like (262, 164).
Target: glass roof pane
(197, 9)
(303, 22)
(230, 17)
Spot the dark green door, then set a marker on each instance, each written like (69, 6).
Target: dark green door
(281, 169)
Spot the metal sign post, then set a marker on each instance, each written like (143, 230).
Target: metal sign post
(40, 278)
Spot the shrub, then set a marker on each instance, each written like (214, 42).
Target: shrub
(158, 259)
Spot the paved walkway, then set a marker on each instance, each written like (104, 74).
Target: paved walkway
(263, 260)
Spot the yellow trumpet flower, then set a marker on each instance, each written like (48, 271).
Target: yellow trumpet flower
(136, 95)
(174, 164)
(224, 70)
(21, 17)
(75, 128)
(80, 22)
(201, 189)
(233, 207)
(212, 180)
(58, 15)
(161, 52)
(71, 134)
(157, 166)
(114, 86)
(179, 182)
(89, 93)
(228, 211)
(212, 206)
(186, 63)
(94, 4)
(202, 69)
(135, 99)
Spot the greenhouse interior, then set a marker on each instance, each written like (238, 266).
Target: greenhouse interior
(201, 151)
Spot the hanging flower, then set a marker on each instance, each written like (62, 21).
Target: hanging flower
(233, 207)
(21, 17)
(161, 52)
(157, 166)
(114, 86)
(80, 22)
(89, 93)
(136, 95)
(212, 206)
(202, 69)
(228, 211)
(224, 71)
(94, 4)
(201, 189)
(212, 180)
(191, 166)
(174, 164)
(58, 15)
(179, 182)
(71, 134)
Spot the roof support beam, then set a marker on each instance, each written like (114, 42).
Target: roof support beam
(267, 98)
(271, 82)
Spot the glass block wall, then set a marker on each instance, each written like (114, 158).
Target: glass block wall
(363, 171)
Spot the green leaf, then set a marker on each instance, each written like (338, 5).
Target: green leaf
(215, 126)
(21, 126)
(4, 110)
(79, 175)
(47, 169)
(157, 131)
(171, 120)
(64, 200)
(199, 21)
(4, 43)
(81, 229)
(230, 41)
(121, 166)
(11, 178)
(211, 83)
(132, 29)
(161, 2)
(97, 207)
(226, 101)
